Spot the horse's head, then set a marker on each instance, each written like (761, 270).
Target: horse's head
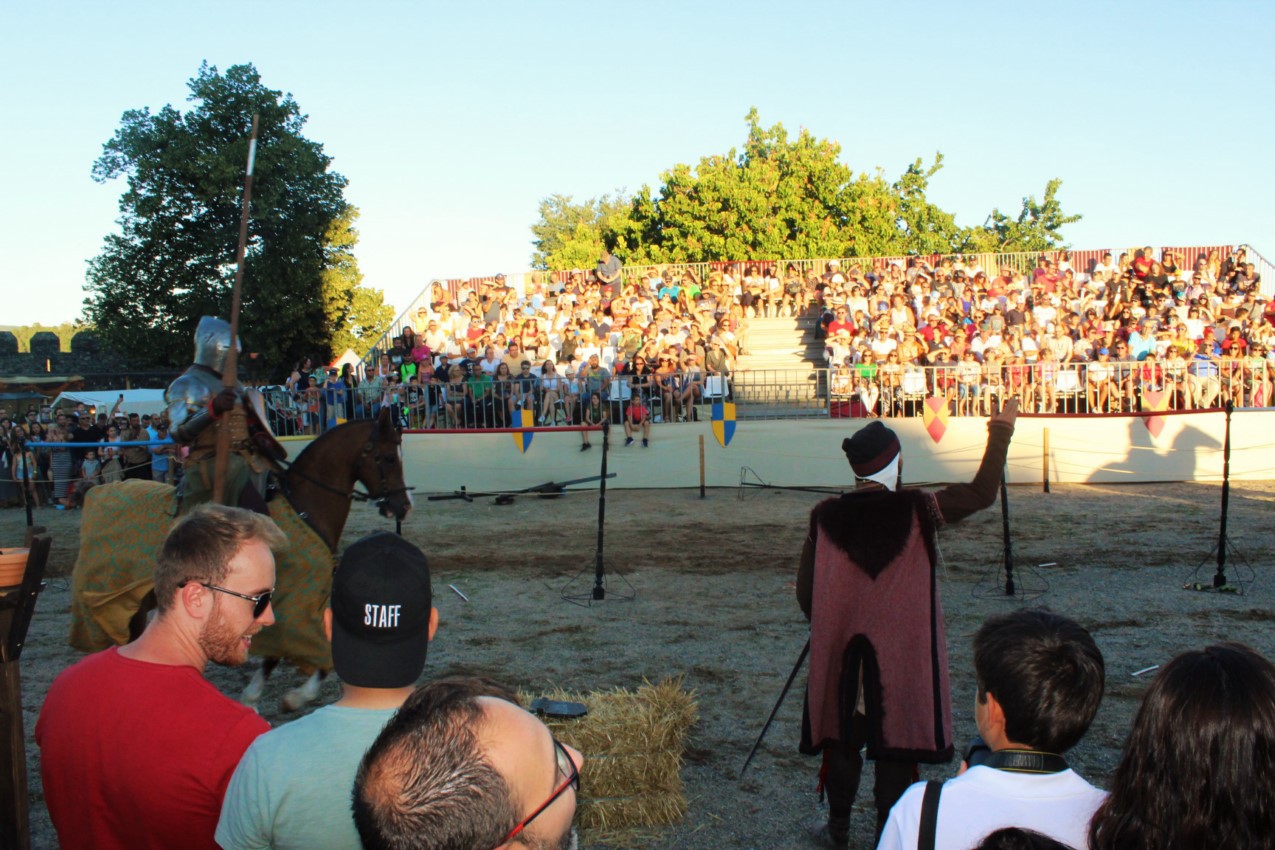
(380, 468)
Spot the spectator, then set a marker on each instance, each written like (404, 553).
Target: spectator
(24, 466)
(553, 395)
(593, 415)
(1203, 376)
(149, 764)
(291, 790)
(490, 360)
(503, 395)
(488, 410)
(90, 471)
(496, 774)
(457, 400)
(1198, 766)
(608, 274)
(112, 460)
(350, 380)
(637, 418)
(1040, 680)
(877, 647)
(60, 468)
(163, 457)
(523, 386)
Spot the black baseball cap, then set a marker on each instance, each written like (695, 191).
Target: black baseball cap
(381, 605)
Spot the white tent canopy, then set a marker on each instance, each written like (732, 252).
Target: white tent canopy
(135, 401)
(349, 357)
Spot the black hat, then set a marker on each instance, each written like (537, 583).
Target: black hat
(871, 449)
(381, 606)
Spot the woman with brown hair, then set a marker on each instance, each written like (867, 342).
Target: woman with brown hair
(1198, 770)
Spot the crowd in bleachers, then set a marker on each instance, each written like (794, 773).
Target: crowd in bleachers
(477, 356)
(1146, 330)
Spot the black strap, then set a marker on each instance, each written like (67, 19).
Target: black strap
(1026, 761)
(929, 815)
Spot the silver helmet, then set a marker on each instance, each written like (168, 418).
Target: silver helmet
(212, 343)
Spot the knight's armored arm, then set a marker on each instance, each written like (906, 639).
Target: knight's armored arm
(188, 405)
(188, 420)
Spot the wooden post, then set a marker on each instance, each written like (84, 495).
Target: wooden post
(701, 466)
(16, 607)
(1044, 459)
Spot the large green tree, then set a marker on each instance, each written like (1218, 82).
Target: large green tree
(173, 259)
(785, 197)
(569, 235)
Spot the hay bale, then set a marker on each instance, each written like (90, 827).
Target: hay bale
(633, 743)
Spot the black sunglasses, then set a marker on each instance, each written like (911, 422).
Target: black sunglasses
(259, 602)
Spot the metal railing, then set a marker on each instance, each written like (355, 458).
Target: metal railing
(966, 389)
(973, 389)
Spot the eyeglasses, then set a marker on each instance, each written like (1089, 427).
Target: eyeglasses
(566, 768)
(260, 602)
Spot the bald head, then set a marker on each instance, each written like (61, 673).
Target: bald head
(457, 768)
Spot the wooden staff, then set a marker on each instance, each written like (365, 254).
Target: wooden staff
(231, 369)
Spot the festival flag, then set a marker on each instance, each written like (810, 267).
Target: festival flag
(1158, 401)
(723, 421)
(935, 415)
(524, 418)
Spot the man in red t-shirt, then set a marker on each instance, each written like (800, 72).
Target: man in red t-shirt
(840, 321)
(1142, 263)
(637, 418)
(136, 746)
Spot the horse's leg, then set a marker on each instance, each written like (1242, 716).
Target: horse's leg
(137, 623)
(298, 698)
(257, 684)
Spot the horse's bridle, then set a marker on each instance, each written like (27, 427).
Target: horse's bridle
(356, 495)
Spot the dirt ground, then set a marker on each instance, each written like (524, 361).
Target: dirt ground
(714, 601)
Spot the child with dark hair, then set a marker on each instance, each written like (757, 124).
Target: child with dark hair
(1040, 679)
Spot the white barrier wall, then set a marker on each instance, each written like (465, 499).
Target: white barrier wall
(1115, 449)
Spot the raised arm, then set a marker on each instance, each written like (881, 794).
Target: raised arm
(958, 501)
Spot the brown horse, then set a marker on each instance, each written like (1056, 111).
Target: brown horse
(124, 524)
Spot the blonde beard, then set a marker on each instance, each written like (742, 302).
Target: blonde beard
(220, 644)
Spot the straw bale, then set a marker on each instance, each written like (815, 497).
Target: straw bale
(633, 743)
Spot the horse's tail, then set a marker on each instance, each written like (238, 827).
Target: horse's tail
(121, 528)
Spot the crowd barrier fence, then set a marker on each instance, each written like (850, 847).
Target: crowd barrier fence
(862, 390)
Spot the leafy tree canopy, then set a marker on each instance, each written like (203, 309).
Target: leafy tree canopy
(782, 197)
(173, 259)
(569, 235)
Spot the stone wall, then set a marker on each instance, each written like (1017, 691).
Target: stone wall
(86, 357)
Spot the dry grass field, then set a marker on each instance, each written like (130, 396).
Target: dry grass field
(714, 602)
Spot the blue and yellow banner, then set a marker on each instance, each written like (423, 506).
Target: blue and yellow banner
(523, 418)
(723, 421)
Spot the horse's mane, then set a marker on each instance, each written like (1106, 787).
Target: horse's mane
(331, 435)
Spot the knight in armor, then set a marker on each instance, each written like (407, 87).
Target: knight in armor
(878, 653)
(199, 406)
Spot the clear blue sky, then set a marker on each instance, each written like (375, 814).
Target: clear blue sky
(452, 121)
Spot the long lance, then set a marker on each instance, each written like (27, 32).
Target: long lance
(796, 668)
(230, 371)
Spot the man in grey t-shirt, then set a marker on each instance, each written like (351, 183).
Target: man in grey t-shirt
(292, 787)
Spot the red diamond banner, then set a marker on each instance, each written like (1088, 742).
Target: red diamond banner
(935, 415)
(1156, 400)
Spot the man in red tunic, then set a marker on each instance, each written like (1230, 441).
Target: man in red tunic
(136, 746)
(878, 654)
